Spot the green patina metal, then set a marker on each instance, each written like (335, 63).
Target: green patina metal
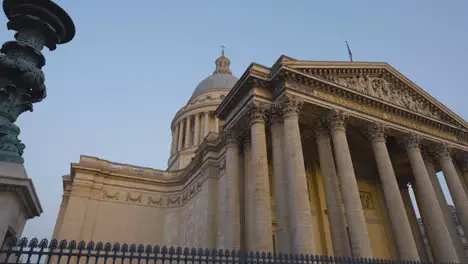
(38, 24)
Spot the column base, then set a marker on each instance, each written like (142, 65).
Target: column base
(18, 200)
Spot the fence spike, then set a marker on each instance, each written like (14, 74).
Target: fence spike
(251, 254)
(179, 250)
(200, 252)
(63, 244)
(124, 248)
(220, 253)
(156, 249)
(186, 251)
(72, 245)
(227, 253)
(207, 252)
(132, 248)
(164, 249)
(43, 243)
(23, 242)
(99, 246)
(214, 252)
(33, 242)
(116, 247)
(171, 250)
(193, 252)
(107, 246)
(148, 249)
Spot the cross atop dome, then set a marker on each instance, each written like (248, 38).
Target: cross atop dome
(222, 63)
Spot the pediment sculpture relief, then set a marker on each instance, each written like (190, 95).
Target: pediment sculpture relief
(387, 91)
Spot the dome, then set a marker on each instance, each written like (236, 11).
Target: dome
(215, 81)
(221, 78)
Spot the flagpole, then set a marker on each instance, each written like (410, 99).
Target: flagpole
(349, 52)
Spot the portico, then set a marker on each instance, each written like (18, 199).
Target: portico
(331, 146)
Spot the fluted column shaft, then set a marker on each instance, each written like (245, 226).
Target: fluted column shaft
(299, 204)
(249, 196)
(360, 244)
(188, 139)
(418, 239)
(232, 192)
(206, 125)
(174, 139)
(433, 215)
(196, 131)
(405, 243)
(181, 135)
(429, 163)
(339, 235)
(455, 185)
(281, 185)
(216, 125)
(262, 203)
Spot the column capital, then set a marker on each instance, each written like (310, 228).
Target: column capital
(289, 105)
(411, 142)
(376, 132)
(256, 112)
(337, 119)
(231, 137)
(275, 114)
(464, 161)
(321, 128)
(442, 151)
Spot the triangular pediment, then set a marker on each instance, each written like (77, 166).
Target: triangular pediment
(380, 81)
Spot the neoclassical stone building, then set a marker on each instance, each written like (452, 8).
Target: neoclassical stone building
(300, 157)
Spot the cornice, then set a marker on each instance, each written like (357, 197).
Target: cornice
(255, 76)
(318, 88)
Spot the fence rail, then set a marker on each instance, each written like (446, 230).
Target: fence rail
(35, 251)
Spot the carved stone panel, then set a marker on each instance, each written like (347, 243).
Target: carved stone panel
(387, 91)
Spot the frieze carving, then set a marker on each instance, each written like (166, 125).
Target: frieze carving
(366, 200)
(175, 199)
(133, 197)
(386, 115)
(387, 91)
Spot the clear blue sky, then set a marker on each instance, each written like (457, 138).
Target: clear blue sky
(113, 90)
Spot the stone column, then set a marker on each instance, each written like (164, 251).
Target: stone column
(339, 235)
(281, 183)
(464, 167)
(196, 132)
(206, 125)
(232, 191)
(429, 161)
(359, 237)
(433, 215)
(187, 133)
(181, 135)
(455, 184)
(174, 139)
(262, 204)
(405, 244)
(249, 196)
(299, 204)
(418, 239)
(216, 125)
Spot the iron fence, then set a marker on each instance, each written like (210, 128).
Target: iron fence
(35, 251)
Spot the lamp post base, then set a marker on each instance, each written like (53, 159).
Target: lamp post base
(18, 200)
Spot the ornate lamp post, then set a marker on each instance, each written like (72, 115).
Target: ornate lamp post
(38, 24)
